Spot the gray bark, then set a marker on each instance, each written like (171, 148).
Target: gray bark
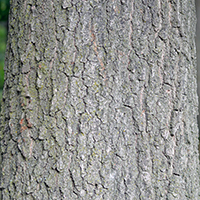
(100, 101)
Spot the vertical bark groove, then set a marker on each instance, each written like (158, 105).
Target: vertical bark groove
(100, 101)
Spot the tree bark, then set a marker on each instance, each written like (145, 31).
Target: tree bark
(100, 101)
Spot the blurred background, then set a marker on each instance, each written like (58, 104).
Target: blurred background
(4, 10)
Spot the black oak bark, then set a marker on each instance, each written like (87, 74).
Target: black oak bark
(100, 101)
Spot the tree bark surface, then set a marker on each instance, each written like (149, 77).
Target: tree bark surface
(100, 101)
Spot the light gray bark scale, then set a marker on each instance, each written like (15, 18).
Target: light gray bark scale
(100, 101)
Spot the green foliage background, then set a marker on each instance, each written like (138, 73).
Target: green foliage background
(4, 10)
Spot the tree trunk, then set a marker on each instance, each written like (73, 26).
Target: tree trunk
(100, 101)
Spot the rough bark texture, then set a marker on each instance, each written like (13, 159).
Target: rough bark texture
(100, 101)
